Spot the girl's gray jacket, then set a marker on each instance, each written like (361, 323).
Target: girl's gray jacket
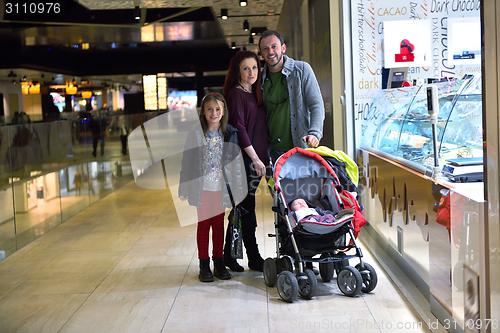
(307, 110)
(191, 176)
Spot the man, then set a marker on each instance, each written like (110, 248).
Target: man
(292, 97)
(98, 127)
(295, 109)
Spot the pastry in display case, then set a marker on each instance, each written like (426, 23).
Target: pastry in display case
(398, 123)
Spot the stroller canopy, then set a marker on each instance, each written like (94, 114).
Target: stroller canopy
(303, 173)
(300, 163)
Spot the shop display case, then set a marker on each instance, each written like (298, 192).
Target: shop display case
(398, 124)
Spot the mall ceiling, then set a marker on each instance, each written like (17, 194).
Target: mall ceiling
(102, 41)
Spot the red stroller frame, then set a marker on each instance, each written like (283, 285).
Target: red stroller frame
(305, 174)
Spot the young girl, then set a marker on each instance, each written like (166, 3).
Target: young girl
(202, 181)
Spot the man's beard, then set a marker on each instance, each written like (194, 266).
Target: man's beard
(277, 62)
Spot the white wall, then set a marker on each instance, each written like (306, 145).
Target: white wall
(32, 105)
(6, 205)
(7, 88)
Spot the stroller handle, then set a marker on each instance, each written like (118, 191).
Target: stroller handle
(271, 146)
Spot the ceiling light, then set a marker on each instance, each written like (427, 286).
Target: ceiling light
(250, 40)
(86, 94)
(233, 45)
(246, 25)
(71, 90)
(223, 13)
(137, 13)
(34, 88)
(11, 74)
(243, 3)
(257, 30)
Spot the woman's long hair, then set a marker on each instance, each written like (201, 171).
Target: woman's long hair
(233, 74)
(225, 116)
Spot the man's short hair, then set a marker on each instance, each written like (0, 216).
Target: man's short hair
(268, 33)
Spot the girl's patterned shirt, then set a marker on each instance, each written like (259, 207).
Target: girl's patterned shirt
(212, 161)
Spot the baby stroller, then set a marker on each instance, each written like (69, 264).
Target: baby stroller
(303, 173)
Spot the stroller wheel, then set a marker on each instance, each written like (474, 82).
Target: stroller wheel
(270, 272)
(308, 284)
(326, 269)
(285, 264)
(288, 286)
(340, 264)
(349, 281)
(369, 277)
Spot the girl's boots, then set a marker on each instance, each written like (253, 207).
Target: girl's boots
(205, 272)
(220, 270)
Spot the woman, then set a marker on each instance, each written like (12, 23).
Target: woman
(243, 93)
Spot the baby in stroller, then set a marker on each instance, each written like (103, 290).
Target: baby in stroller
(301, 211)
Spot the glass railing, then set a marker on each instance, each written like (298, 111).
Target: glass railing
(51, 171)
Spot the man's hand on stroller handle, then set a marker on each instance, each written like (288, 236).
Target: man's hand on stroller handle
(311, 140)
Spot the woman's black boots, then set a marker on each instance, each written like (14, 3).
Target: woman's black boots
(248, 227)
(220, 270)
(205, 272)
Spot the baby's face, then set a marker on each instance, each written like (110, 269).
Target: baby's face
(299, 204)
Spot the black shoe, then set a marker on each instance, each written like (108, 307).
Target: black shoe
(255, 261)
(220, 270)
(94, 153)
(233, 265)
(205, 272)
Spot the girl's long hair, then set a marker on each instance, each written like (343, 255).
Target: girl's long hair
(233, 74)
(222, 122)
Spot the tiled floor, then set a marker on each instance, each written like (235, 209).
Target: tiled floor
(125, 265)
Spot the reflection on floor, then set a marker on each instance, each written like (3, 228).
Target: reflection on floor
(124, 264)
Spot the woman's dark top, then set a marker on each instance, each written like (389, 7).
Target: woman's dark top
(243, 115)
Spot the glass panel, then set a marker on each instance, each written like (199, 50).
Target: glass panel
(34, 156)
(398, 123)
(463, 135)
(416, 142)
(381, 130)
(38, 187)
(7, 221)
(71, 157)
(84, 144)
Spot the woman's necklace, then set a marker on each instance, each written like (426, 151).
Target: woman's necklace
(243, 88)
